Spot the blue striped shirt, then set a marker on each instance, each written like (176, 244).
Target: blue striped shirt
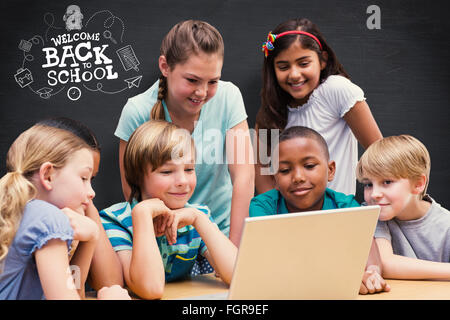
(178, 259)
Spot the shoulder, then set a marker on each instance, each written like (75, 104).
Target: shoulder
(118, 213)
(337, 82)
(226, 92)
(226, 109)
(44, 213)
(145, 98)
(338, 87)
(341, 200)
(42, 222)
(438, 212)
(136, 111)
(264, 203)
(227, 87)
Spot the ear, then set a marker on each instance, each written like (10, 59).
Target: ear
(275, 185)
(419, 184)
(163, 66)
(331, 170)
(324, 60)
(46, 175)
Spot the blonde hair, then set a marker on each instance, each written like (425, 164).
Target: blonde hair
(400, 157)
(35, 146)
(153, 143)
(184, 39)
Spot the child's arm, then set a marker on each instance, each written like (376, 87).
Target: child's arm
(55, 276)
(242, 173)
(363, 125)
(263, 183)
(400, 267)
(372, 281)
(87, 232)
(221, 252)
(143, 268)
(106, 269)
(54, 273)
(126, 190)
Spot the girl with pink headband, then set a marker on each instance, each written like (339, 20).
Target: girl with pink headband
(305, 85)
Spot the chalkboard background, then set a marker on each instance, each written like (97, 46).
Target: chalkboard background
(403, 67)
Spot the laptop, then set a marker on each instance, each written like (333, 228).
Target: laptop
(310, 255)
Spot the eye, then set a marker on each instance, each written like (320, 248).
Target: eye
(166, 171)
(283, 170)
(191, 80)
(304, 64)
(213, 82)
(283, 67)
(388, 182)
(189, 170)
(367, 185)
(310, 166)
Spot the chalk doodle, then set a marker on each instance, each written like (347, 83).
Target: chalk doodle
(76, 52)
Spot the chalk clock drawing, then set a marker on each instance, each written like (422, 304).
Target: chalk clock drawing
(78, 53)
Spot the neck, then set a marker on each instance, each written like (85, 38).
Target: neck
(416, 209)
(181, 118)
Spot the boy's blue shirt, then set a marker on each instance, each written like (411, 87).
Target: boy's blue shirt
(272, 202)
(178, 259)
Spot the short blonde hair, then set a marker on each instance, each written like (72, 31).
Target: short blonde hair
(400, 157)
(153, 143)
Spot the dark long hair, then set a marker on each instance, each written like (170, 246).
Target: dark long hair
(274, 100)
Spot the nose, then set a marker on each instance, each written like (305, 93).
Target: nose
(377, 192)
(298, 176)
(295, 73)
(91, 192)
(181, 179)
(201, 90)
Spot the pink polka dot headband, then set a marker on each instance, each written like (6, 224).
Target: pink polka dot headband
(268, 45)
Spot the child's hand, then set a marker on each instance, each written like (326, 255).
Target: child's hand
(114, 292)
(154, 206)
(372, 282)
(84, 228)
(180, 218)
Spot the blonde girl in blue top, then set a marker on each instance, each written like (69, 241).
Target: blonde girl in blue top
(190, 94)
(305, 85)
(43, 199)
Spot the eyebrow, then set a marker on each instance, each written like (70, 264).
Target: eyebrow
(285, 61)
(197, 77)
(302, 159)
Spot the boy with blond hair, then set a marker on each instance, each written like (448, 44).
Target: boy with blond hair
(413, 231)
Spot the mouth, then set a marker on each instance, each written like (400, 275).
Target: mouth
(297, 85)
(196, 102)
(300, 191)
(178, 194)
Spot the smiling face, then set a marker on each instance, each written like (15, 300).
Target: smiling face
(192, 83)
(298, 72)
(394, 196)
(303, 173)
(71, 184)
(173, 182)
